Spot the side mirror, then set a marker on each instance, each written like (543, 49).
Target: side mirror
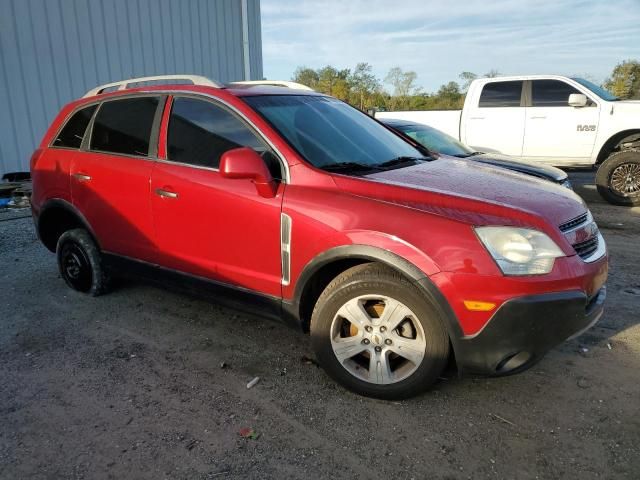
(245, 163)
(578, 100)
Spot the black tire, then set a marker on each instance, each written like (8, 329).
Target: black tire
(376, 279)
(80, 263)
(608, 178)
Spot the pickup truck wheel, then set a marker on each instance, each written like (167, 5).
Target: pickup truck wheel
(80, 262)
(618, 178)
(375, 333)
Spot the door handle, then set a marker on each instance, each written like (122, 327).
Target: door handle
(538, 118)
(82, 177)
(166, 193)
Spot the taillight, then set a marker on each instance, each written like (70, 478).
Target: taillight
(34, 158)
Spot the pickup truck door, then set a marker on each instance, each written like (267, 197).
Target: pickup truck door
(554, 131)
(494, 121)
(207, 225)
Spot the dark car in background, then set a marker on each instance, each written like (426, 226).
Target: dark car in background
(439, 142)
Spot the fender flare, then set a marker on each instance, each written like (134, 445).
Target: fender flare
(375, 254)
(56, 203)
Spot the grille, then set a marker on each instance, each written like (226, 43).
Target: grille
(574, 223)
(586, 248)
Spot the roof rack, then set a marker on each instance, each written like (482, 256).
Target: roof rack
(274, 83)
(124, 84)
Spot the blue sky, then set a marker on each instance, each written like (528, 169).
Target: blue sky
(439, 39)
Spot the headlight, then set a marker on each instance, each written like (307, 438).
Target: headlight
(520, 251)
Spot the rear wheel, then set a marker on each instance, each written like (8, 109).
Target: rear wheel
(378, 335)
(618, 178)
(80, 262)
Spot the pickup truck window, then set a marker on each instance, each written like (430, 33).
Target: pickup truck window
(501, 94)
(551, 93)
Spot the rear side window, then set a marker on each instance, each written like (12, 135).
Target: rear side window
(551, 93)
(72, 133)
(124, 126)
(501, 94)
(200, 132)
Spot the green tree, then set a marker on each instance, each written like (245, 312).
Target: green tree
(334, 82)
(625, 80)
(363, 84)
(467, 78)
(403, 84)
(307, 76)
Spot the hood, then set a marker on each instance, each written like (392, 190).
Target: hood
(469, 180)
(538, 170)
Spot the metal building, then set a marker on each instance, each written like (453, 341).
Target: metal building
(53, 51)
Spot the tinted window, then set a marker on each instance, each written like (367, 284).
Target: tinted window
(124, 126)
(72, 133)
(551, 93)
(200, 132)
(501, 94)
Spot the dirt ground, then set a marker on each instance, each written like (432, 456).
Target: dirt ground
(130, 385)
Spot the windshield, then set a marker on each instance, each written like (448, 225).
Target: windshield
(599, 91)
(328, 132)
(435, 140)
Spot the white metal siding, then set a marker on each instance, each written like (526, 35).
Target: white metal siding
(53, 51)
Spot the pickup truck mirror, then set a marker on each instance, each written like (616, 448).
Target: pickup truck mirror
(577, 100)
(245, 163)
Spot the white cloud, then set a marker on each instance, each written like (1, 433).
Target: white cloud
(440, 39)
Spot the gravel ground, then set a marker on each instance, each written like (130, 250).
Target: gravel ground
(130, 385)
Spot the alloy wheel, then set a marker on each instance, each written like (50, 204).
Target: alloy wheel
(378, 339)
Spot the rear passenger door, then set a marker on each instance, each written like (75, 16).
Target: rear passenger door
(496, 122)
(556, 132)
(111, 173)
(207, 225)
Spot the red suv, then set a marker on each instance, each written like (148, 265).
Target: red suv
(298, 206)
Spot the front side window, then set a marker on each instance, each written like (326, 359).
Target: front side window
(200, 132)
(551, 93)
(72, 133)
(328, 132)
(124, 126)
(501, 94)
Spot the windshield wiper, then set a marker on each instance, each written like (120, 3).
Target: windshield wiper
(398, 161)
(349, 167)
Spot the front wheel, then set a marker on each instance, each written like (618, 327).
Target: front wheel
(375, 333)
(618, 178)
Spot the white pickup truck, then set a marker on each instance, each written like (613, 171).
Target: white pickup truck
(561, 121)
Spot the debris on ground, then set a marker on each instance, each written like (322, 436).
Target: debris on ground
(247, 432)
(191, 444)
(253, 382)
(502, 419)
(308, 361)
(583, 383)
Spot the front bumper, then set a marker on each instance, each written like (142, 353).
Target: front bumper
(523, 329)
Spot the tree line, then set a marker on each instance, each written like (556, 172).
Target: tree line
(399, 90)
